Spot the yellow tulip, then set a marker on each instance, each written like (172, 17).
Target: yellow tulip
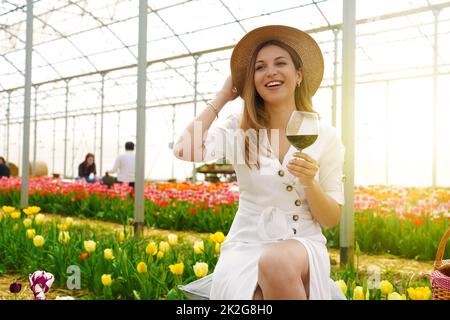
(160, 255)
(173, 239)
(30, 233)
(217, 237)
(38, 241)
(64, 237)
(15, 215)
(201, 269)
(27, 222)
(90, 246)
(218, 248)
(68, 221)
(121, 236)
(177, 269)
(419, 293)
(386, 287)
(106, 280)
(8, 209)
(199, 247)
(62, 227)
(31, 211)
(164, 246)
(342, 285)
(108, 254)
(1, 215)
(142, 267)
(358, 293)
(16, 227)
(151, 249)
(394, 296)
(39, 218)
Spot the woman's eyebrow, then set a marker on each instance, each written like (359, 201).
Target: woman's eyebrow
(277, 58)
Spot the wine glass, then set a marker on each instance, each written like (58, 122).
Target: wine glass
(302, 130)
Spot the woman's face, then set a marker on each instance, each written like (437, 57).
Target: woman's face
(275, 75)
(90, 160)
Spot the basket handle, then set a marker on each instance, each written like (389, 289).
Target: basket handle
(441, 249)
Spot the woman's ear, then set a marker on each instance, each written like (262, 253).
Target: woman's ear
(299, 77)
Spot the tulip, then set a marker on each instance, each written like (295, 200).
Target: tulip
(217, 248)
(15, 215)
(386, 287)
(160, 255)
(358, 293)
(151, 249)
(217, 237)
(64, 237)
(108, 254)
(121, 236)
(199, 247)
(15, 287)
(62, 227)
(142, 267)
(394, 296)
(173, 239)
(90, 246)
(31, 211)
(419, 293)
(8, 209)
(201, 269)
(106, 280)
(15, 227)
(177, 269)
(68, 221)
(27, 222)
(30, 233)
(39, 218)
(164, 246)
(342, 285)
(40, 283)
(84, 255)
(38, 241)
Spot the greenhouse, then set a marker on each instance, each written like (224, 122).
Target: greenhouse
(98, 201)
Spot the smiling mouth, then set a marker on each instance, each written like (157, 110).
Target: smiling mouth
(273, 84)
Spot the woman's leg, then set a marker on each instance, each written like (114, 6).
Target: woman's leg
(283, 271)
(258, 294)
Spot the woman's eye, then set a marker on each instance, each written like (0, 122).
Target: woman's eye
(259, 67)
(281, 63)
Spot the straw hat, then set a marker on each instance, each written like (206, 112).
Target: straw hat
(306, 47)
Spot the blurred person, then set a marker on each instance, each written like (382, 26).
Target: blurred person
(125, 165)
(87, 169)
(4, 168)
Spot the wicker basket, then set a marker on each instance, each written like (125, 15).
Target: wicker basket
(440, 278)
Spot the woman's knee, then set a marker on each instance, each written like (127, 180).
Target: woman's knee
(277, 265)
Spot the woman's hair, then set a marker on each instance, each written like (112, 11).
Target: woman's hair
(255, 116)
(87, 156)
(3, 160)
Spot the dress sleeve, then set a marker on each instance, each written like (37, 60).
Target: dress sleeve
(331, 167)
(223, 141)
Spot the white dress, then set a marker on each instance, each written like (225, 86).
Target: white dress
(271, 209)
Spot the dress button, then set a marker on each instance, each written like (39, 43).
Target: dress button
(281, 173)
(295, 217)
(295, 230)
(298, 202)
(289, 188)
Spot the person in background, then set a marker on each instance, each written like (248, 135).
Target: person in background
(4, 169)
(125, 165)
(87, 169)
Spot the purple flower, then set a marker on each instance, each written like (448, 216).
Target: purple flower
(40, 283)
(15, 287)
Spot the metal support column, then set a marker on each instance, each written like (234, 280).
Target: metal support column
(27, 103)
(386, 142)
(35, 131)
(101, 121)
(53, 146)
(73, 147)
(435, 96)
(65, 130)
(173, 141)
(118, 132)
(8, 115)
(194, 169)
(347, 236)
(139, 207)
(335, 75)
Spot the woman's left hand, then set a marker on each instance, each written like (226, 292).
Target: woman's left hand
(304, 168)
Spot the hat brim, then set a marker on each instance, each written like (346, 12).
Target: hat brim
(305, 46)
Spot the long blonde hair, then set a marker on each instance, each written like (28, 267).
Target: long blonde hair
(255, 116)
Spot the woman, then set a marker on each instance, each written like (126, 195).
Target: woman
(275, 248)
(87, 169)
(4, 169)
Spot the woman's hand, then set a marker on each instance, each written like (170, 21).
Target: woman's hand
(304, 168)
(228, 91)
